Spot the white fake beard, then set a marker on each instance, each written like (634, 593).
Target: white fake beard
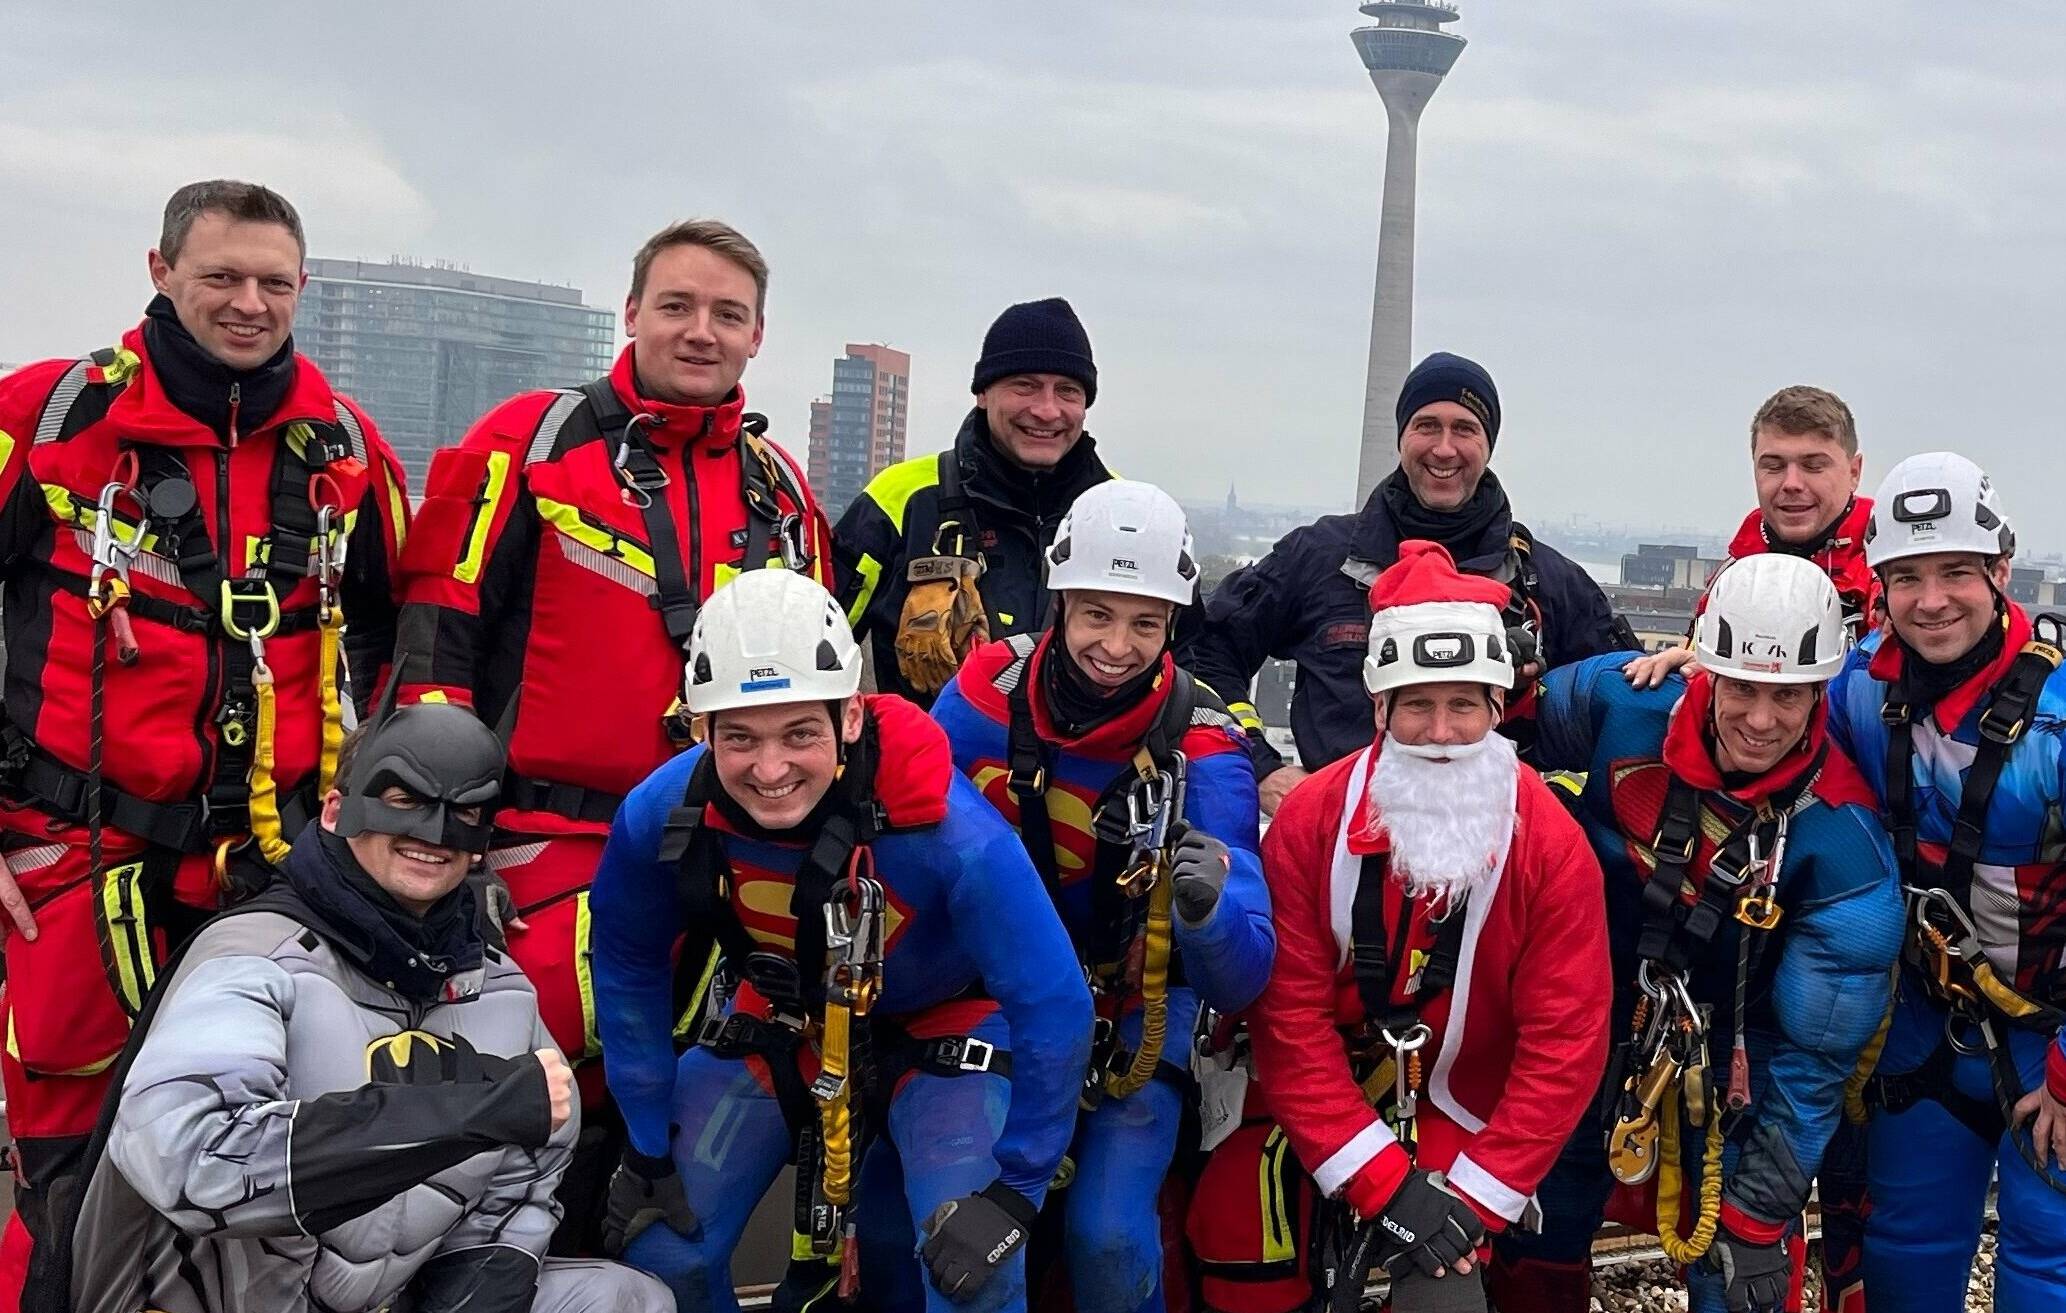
(1448, 811)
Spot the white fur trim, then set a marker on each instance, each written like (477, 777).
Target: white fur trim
(1345, 1162)
(1487, 1189)
(1341, 897)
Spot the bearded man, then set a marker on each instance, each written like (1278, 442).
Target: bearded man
(1436, 1020)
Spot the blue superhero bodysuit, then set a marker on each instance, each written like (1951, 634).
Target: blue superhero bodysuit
(972, 947)
(1821, 982)
(1925, 1217)
(1123, 1146)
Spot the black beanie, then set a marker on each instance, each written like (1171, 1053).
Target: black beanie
(1038, 337)
(1444, 377)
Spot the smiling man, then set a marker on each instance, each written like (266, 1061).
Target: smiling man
(188, 520)
(341, 1097)
(564, 549)
(1306, 601)
(891, 966)
(1749, 884)
(1956, 712)
(942, 553)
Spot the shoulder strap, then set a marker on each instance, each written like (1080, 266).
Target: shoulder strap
(762, 476)
(676, 598)
(1371, 955)
(2001, 727)
(1028, 758)
(956, 507)
(80, 400)
(1166, 735)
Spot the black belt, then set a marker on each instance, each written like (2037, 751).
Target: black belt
(571, 801)
(186, 827)
(184, 616)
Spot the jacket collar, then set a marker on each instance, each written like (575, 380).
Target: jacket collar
(1952, 709)
(671, 427)
(143, 413)
(1114, 739)
(1376, 538)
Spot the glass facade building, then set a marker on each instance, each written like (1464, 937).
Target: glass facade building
(859, 431)
(428, 349)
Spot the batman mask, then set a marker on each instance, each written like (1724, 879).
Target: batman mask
(444, 758)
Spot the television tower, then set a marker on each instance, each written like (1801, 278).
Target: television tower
(1407, 53)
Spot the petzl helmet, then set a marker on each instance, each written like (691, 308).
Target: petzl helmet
(1936, 502)
(766, 638)
(1124, 537)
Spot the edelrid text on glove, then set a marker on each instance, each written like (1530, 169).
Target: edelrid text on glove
(968, 1239)
(1758, 1277)
(942, 622)
(644, 1191)
(1427, 1225)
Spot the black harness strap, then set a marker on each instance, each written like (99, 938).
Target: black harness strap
(675, 596)
(1377, 961)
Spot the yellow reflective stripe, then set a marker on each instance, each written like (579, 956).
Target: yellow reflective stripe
(1004, 618)
(870, 571)
(567, 519)
(258, 550)
(723, 573)
(1245, 712)
(1278, 1245)
(584, 976)
(435, 695)
(82, 512)
(683, 1026)
(128, 938)
(893, 489)
(397, 507)
(6, 447)
(469, 568)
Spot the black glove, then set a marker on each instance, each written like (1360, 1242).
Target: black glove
(644, 1191)
(968, 1239)
(494, 905)
(1200, 873)
(1427, 1226)
(1758, 1276)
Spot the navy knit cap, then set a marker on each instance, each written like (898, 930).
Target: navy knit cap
(1444, 377)
(1038, 337)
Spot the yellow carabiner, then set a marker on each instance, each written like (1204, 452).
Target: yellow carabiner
(267, 598)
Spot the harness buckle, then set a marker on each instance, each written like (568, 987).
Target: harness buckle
(1759, 911)
(970, 1047)
(250, 609)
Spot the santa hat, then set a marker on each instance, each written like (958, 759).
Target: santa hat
(1434, 624)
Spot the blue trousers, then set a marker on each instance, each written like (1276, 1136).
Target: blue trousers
(1929, 1176)
(1111, 1224)
(731, 1143)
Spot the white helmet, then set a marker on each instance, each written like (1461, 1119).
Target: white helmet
(1936, 502)
(1435, 643)
(1124, 537)
(769, 637)
(1772, 619)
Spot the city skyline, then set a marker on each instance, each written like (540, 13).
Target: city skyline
(1643, 219)
(859, 428)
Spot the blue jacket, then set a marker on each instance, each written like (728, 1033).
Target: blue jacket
(966, 911)
(2019, 884)
(1308, 601)
(1825, 977)
(1226, 959)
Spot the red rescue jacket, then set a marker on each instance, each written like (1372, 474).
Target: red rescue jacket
(70, 427)
(1841, 556)
(1519, 1042)
(534, 591)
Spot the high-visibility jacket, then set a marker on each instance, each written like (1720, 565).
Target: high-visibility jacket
(231, 555)
(1009, 515)
(540, 590)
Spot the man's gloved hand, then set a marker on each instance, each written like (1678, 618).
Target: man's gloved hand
(942, 621)
(1759, 1276)
(1200, 874)
(968, 1239)
(644, 1191)
(1426, 1225)
(495, 906)
(1526, 651)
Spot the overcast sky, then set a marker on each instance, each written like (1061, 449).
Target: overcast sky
(1642, 217)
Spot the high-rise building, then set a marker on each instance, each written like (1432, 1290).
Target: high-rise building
(858, 431)
(1407, 53)
(427, 349)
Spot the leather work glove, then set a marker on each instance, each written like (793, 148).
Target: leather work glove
(1759, 1276)
(644, 1191)
(942, 622)
(1427, 1226)
(1200, 875)
(495, 906)
(968, 1239)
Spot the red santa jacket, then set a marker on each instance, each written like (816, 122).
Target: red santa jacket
(532, 584)
(1519, 1042)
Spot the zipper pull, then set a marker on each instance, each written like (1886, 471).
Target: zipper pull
(236, 400)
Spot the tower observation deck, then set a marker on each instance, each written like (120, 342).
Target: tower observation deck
(1407, 53)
